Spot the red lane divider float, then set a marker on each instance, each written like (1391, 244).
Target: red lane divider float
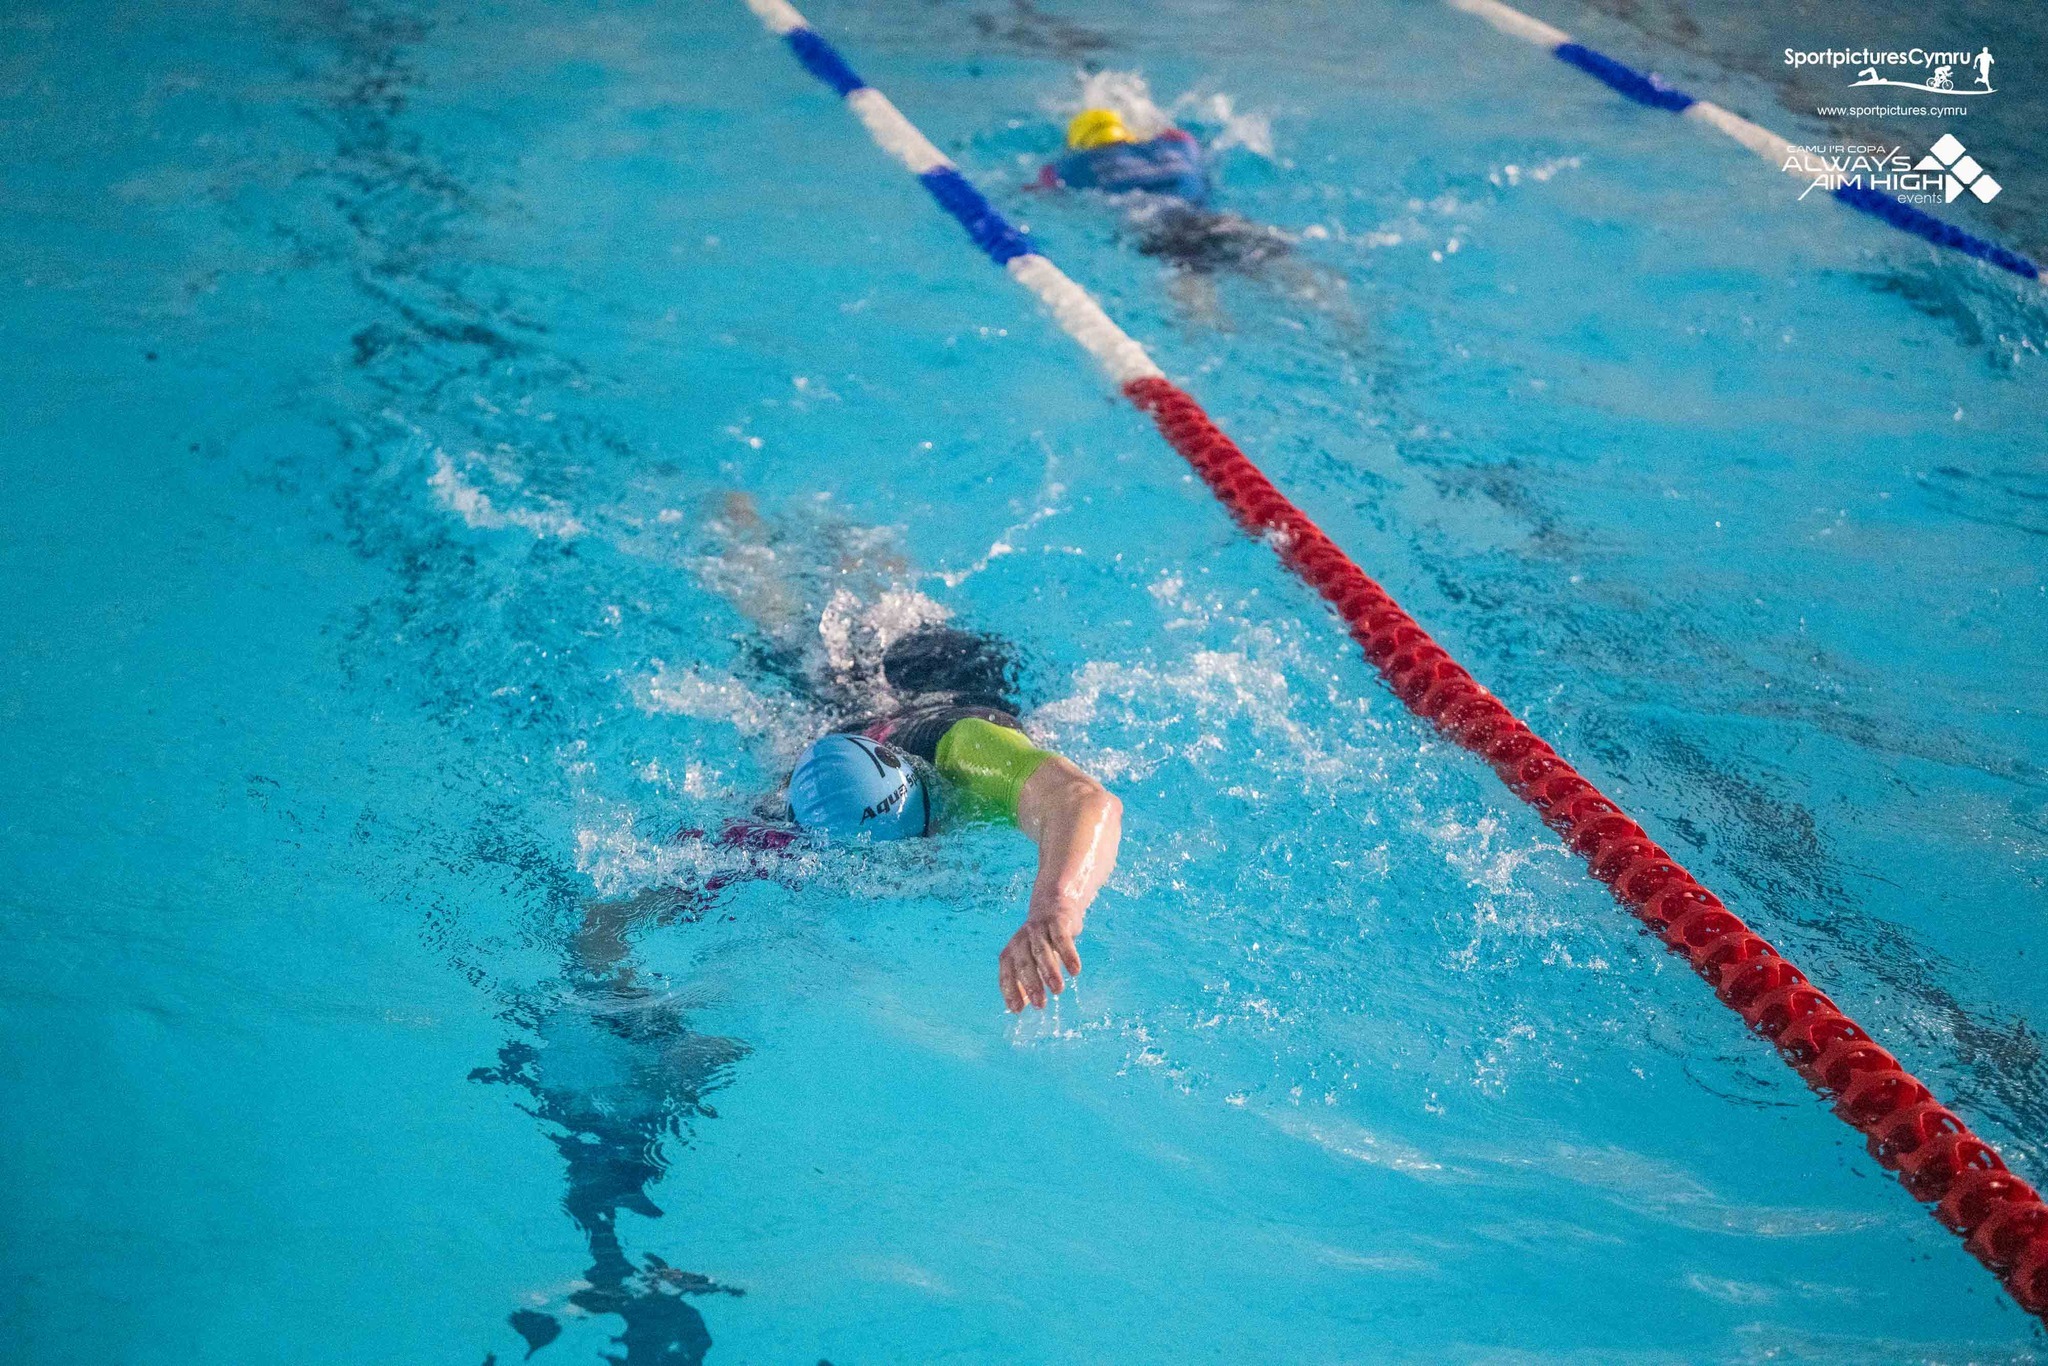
(2001, 1217)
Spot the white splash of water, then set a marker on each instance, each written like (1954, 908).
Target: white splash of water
(1218, 686)
(478, 510)
(1127, 93)
(708, 695)
(1130, 96)
(617, 858)
(1253, 132)
(1514, 174)
(856, 632)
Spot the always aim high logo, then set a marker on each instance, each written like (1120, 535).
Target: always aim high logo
(1959, 170)
(1941, 176)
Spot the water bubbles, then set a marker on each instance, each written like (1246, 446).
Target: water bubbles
(541, 515)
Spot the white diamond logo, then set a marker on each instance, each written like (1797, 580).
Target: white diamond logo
(1962, 171)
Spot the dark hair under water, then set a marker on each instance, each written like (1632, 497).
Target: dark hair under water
(968, 668)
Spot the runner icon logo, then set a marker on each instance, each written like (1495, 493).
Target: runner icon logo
(1959, 170)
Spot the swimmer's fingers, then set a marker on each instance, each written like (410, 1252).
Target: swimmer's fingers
(1029, 969)
(1006, 977)
(1027, 978)
(1062, 940)
(1046, 958)
(1019, 972)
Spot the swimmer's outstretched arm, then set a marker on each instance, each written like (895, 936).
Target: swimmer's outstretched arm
(1077, 825)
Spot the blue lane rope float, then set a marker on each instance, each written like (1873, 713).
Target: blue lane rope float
(1647, 89)
(1930, 1147)
(1906, 218)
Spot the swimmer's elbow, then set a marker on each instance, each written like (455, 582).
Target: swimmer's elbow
(1067, 795)
(1101, 813)
(1087, 792)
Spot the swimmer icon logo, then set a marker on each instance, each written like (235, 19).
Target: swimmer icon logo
(1959, 170)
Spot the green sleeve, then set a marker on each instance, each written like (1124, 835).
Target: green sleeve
(989, 762)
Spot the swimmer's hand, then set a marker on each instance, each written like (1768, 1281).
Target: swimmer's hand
(1077, 826)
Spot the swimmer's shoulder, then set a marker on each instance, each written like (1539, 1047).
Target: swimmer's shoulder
(990, 763)
(919, 730)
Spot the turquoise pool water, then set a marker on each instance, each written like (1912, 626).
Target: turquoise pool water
(384, 376)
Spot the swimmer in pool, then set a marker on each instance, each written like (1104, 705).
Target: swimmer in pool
(953, 750)
(1166, 181)
(926, 737)
(1104, 154)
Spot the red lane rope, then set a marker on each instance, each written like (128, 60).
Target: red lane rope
(1937, 1158)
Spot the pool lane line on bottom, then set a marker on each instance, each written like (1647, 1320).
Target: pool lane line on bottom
(1932, 1150)
(1648, 89)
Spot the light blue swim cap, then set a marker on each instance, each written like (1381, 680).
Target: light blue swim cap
(850, 785)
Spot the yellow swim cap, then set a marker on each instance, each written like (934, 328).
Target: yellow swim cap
(1097, 128)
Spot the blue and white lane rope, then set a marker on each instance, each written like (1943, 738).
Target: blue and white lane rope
(1078, 315)
(1649, 90)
